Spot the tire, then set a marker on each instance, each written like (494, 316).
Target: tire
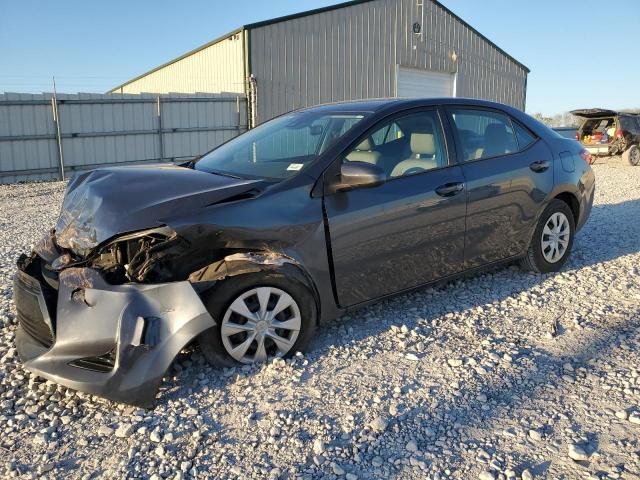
(216, 343)
(632, 155)
(541, 260)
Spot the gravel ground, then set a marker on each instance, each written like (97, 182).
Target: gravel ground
(504, 375)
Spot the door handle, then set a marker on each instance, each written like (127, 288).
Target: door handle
(539, 167)
(450, 189)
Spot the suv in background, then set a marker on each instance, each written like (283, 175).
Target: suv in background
(607, 132)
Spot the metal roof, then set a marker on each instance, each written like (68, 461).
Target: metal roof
(357, 2)
(306, 13)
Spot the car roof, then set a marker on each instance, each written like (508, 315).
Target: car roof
(377, 104)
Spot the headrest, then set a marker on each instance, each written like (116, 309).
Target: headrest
(422, 144)
(365, 145)
(363, 156)
(495, 132)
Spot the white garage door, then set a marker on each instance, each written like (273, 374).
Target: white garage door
(414, 82)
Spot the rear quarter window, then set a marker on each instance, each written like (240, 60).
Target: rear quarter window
(524, 136)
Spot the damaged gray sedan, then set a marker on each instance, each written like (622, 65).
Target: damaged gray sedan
(317, 212)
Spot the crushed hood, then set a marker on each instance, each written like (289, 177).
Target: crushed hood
(106, 202)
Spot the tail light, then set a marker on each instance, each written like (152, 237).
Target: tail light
(586, 156)
(578, 136)
(619, 133)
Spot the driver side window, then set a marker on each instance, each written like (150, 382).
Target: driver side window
(406, 145)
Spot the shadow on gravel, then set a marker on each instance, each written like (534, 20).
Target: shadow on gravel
(612, 231)
(509, 396)
(512, 395)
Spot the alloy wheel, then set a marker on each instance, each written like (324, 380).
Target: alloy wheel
(555, 237)
(259, 323)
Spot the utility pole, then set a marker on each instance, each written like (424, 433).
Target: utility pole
(56, 120)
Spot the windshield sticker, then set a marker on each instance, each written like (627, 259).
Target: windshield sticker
(295, 166)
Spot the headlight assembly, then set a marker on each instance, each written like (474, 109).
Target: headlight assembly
(137, 256)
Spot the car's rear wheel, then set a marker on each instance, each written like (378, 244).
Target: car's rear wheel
(552, 240)
(632, 155)
(258, 316)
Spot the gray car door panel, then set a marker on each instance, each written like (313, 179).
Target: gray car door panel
(407, 231)
(395, 236)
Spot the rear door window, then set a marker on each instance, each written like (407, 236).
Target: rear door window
(483, 133)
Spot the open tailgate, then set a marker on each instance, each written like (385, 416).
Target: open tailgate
(594, 113)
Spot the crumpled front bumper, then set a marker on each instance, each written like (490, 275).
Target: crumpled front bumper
(115, 341)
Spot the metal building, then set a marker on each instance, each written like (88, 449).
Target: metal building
(353, 50)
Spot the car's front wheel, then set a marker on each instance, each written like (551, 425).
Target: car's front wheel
(632, 156)
(258, 316)
(552, 240)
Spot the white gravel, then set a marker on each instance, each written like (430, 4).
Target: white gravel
(505, 375)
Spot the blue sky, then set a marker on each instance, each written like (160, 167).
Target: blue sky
(581, 54)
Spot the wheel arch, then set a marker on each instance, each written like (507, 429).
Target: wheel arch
(207, 278)
(572, 201)
(564, 194)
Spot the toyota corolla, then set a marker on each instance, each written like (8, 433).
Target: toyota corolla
(249, 248)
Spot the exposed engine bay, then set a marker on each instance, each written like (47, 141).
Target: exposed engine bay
(139, 257)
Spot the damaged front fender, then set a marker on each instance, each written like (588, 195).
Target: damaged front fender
(116, 341)
(241, 263)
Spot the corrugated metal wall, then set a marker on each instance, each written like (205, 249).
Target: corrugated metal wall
(101, 129)
(217, 68)
(354, 52)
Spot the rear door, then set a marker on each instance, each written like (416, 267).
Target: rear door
(407, 231)
(509, 173)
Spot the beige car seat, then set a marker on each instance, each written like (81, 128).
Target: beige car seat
(364, 153)
(423, 156)
(496, 142)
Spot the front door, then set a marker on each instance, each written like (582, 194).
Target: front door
(509, 173)
(407, 231)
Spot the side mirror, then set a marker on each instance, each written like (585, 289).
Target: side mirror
(360, 174)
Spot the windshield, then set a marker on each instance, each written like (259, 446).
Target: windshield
(280, 148)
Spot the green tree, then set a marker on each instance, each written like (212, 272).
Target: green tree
(548, 121)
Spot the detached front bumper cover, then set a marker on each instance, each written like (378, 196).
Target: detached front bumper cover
(115, 341)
